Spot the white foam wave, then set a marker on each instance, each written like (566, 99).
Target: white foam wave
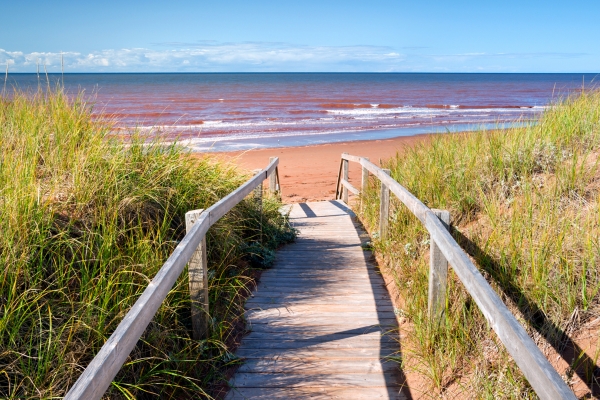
(454, 109)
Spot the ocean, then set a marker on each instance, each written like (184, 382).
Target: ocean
(237, 111)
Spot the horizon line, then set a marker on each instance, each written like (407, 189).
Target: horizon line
(292, 72)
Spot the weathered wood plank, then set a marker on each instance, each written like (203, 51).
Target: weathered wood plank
(198, 282)
(364, 185)
(273, 186)
(316, 367)
(351, 335)
(325, 380)
(292, 288)
(285, 298)
(322, 345)
(330, 327)
(317, 393)
(349, 186)
(349, 300)
(384, 208)
(345, 164)
(298, 307)
(438, 274)
(350, 157)
(315, 353)
(312, 279)
(286, 313)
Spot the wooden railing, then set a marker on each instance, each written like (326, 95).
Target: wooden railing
(98, 375)
(546, 382)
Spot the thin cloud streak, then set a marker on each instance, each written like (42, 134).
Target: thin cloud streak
(213, 56)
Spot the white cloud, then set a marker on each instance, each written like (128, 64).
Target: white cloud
(211, 56)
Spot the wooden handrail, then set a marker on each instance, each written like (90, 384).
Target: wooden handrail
(349, 186)
(546, 382)
(95, 380)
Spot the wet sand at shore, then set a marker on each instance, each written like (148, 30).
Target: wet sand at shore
(310, 173)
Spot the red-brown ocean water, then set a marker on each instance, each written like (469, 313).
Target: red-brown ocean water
(232, 111)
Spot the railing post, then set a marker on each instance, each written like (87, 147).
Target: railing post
(346, 166)
(364, 184)
(198, 281)
(258, 191)
(384, 209)
(438, 274)
(258, 198)
(273, 186)
(338, 191)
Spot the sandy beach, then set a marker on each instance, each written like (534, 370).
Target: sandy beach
(310, 172)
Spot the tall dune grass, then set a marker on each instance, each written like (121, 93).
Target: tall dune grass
(524, 204)
(85, 223)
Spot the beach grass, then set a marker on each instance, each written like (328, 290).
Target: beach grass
(85, 223)
(524, 204)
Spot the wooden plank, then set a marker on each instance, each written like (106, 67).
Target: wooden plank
(349, 187)
(330, 246)
(198, 282)
(337, 185)
(350, 300)
(364, 185)
(345, 178)
(359, 274)
(353, 335)
(322, 345)
(312, 279)
(316, 367)
(285, 293)
(297, 307)
(326, 328)
(316, 284)
(309, 266)
(286, 312)
(315, 353)
(349, 157)
(306, 240)
(384, 208)
(291, 287)
(338, 320)
(317, 393)
(278, 296)
(273, 178)
(265, 380)
(313, 283)
(438, 275)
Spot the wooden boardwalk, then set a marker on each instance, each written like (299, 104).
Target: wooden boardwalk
(320, 319)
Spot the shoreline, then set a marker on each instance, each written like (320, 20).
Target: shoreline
(300, 183)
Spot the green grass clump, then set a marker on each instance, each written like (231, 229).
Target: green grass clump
(524, 204)
(85, 223)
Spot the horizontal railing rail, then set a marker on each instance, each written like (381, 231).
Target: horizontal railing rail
(97, 377)
(544, 379)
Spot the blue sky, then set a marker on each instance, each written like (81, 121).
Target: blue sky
(365, 36)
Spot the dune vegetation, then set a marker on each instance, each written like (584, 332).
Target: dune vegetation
(85, 223)
(524, 204)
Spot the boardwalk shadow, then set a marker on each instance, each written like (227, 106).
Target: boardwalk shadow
(305, 306)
